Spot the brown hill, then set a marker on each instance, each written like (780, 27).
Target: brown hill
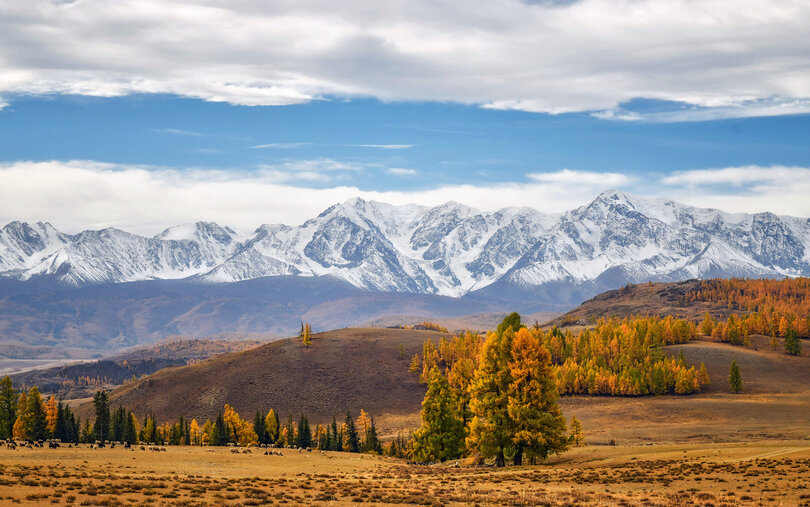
(661, 298)
(346, 369)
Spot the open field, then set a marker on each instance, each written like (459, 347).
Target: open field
(754, 473)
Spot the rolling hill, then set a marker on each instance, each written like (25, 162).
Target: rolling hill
(346, 369)
(654, 298)
(354, 368)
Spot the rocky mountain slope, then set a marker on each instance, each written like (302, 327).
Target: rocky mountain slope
(452, 249)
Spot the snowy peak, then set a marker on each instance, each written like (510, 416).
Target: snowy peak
(450, 249)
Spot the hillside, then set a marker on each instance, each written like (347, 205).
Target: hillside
(657, 298)
(346, 369)
(81, 379)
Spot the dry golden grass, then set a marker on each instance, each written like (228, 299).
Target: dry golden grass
(754, 473)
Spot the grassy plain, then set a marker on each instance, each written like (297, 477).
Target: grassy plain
(754, 473)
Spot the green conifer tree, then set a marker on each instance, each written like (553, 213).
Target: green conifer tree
(37, 423)
(734, 378)
(8, 407)
(101, 427)
(351, 440)
(441, 436)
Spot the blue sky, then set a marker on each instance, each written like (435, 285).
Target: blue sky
(253, 112)
(431, 143)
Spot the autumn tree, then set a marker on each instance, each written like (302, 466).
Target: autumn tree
(305, 334)
(707, 326)
(271, 426)
(194, 432)
(734, 378)
(416, 364)
(441, 436)
(21, 424)
(575, 431)
(489, 431)
(535, 421)
(51, 414)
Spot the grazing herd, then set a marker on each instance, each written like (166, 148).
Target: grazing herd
(11, 444)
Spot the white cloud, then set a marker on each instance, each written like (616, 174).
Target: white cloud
(743, 175)
(726, 57)
(778, 189)
(569, 177)
(77, 195)
(399, 171)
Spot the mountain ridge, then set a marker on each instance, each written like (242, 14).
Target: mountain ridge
(450, 249)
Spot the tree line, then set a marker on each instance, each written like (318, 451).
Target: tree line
(622, 357)
(772, 307)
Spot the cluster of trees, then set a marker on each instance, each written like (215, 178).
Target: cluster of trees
(26, 415)
(773, 307)
(618, 357)
(496, 399)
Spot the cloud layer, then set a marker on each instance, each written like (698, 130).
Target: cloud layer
(77, 195)
(724, 57)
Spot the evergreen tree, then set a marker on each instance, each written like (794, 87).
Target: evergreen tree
(259, 427)
(372, 441)
(535, 421)
(792, 344)
(118, 422)
(510, 321)
(130, 429)
(87, 436)
(221, 435)
(576, 431)
(303, 437)
(37, 423)
(8, 407)
(734, 379)
(351, 441)
(101, 404)
(441, 436)
(337, 437)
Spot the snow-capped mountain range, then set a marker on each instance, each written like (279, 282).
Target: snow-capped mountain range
(450, 249)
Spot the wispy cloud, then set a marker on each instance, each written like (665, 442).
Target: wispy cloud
(569, 177)
(180, 132)
(283, 146)
(384, 146)
(740, 176)
(399, 171)
(302, 144)
(724, 57)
